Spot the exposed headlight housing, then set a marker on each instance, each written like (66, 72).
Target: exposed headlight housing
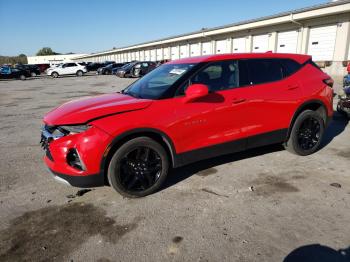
(75, 129)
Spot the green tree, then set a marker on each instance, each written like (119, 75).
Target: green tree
(46, 51)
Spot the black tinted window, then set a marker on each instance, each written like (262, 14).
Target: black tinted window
(289, 66)
(264, 70)
(218, 76)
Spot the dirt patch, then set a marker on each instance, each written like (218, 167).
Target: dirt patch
(99, 84)
(5, 127)
(207, 172)
(43, 107)
(51, 233)
(177, 239)
(266, 185)
(344, 153)
(212, 192)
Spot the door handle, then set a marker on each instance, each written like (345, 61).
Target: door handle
(238, 100)
(293, 87)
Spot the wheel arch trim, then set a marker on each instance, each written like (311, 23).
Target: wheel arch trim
(138, 132)
(303, 107)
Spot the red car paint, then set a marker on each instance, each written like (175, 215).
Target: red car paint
(220, 117)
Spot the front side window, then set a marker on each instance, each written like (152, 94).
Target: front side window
(217, 76)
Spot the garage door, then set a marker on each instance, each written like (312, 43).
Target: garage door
(221, 47)
(206, 48)
(159, 54)
(142, 55)
(238, 45)
(166, 53)
(194, 50)
(133, 55)
(153, 55)
(147, 55)
(174, 53)
(184, 51)
(322, 43)
(137, 56)
(129, 57)
(287, 42)
(260, 43)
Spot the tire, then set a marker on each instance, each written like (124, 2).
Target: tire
(54, 74)
(307, 133)
(128, 168)
(33, 74)
(22, 77)
(80, 73)
(107, 72)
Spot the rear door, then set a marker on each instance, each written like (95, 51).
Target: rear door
(273, 90)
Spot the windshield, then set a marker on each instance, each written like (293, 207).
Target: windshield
(157, 82)
(127, 66)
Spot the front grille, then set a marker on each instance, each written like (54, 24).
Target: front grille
(47, 135)
(45, 144)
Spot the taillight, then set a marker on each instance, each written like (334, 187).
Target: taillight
(329, 82)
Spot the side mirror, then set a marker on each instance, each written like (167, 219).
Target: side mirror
(196, 91)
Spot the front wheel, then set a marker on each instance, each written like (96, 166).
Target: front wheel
(307, 133)
(80, 73)
(22, 77)
(138, 168)
(33, 74)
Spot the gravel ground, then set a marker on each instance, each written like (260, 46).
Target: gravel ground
(262, 205)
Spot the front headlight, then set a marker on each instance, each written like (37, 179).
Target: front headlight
(73, 129)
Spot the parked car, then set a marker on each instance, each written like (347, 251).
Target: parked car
(96, 66)
(184, 111)
(93, 66)
(109, 69)
(13, 73)
(43, 67)
(66, 69)
(34, 70)
(136, 69)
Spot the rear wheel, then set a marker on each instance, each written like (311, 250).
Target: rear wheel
(80, 73)
(22, 77)
(54, 74)
(306, 135)
(33, 74)
(138, 168)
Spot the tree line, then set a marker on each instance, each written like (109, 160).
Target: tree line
(22, 58)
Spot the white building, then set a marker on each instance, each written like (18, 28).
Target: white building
(322, 31)
(52, 59)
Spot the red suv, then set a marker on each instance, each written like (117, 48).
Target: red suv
(185, 111)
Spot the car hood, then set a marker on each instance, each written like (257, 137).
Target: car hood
(86, 109)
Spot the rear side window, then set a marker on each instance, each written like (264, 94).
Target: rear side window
(289, 66)
(264, 70)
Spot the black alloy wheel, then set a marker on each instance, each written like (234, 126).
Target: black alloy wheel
(138, 168)
(306, 134)
(309, 133)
